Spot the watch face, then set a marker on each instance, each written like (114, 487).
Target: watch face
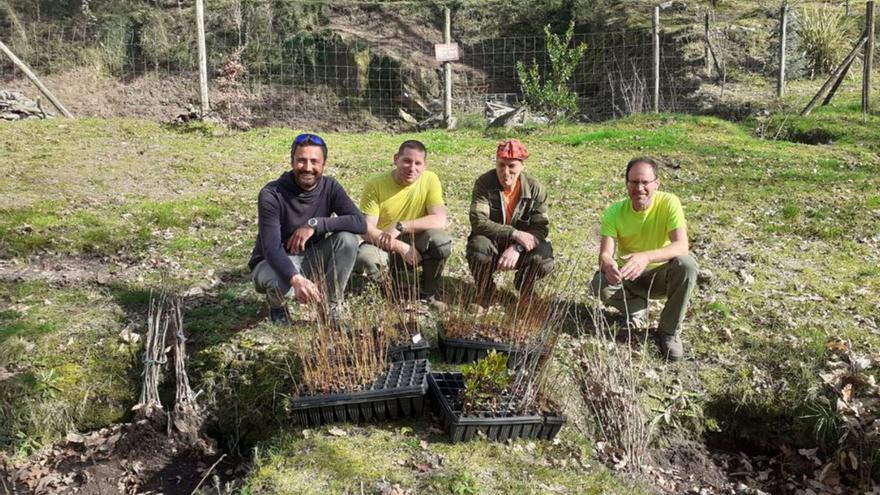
(313, 222)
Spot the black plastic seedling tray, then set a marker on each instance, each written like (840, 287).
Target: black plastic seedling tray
(397, 393)
(445, 390)
(463, 351)
(409, 352)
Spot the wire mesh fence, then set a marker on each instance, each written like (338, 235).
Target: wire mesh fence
(375, 71)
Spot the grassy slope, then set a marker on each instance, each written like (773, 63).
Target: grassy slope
(787, 230)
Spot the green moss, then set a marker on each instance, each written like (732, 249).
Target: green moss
(407, 454)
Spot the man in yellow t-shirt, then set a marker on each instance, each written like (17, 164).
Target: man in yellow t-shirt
(406, 218)
(649, 232)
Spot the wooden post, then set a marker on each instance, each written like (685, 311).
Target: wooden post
(447, 71)
(869, 57)
(837, 83)
(33, 77)
(706, 52)
(203, 57)
(783, 21)
(656, 24)
(846, 62)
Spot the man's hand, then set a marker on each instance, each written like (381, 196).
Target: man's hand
(508, 259)
(635, 265)
(304, 289)
(611, 272)
(412, 256)
(386, 239)
(525, 239)
(297, 242)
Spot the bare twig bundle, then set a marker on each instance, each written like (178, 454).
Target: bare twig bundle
(608, 375)
(517, 322)
(339, 356)
(401, 293)
(535, 381)
(150, 406)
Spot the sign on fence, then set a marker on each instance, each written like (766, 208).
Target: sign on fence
(446, 52)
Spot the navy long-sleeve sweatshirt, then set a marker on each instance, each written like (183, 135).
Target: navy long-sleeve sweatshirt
(284, 207)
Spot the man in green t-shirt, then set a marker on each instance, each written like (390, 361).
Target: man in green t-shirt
(649, 232)
(406, 218)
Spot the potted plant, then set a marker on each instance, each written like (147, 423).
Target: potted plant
(346, 376)
(487, 398)
(468, 332)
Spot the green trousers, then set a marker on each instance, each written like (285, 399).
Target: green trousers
(434, 245)
(482, 256)
(674, 279)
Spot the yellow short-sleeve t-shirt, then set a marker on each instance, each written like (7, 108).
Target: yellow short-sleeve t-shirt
(391, 203)
(637, 231)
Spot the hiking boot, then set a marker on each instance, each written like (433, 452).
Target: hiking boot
(670, 347)
(279, 316)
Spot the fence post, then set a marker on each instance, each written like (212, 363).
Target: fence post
(203, 57)
(706, 53)
(869, 57)
(656, 24)
(33, 77)
(447, 71)
(783, 21)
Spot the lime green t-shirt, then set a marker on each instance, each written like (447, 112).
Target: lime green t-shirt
(392, 203)
(637, 231)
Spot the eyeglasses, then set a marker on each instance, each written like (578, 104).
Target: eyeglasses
(303, 139)
(637, 183)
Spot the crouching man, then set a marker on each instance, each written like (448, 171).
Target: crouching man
(302, 252)
(509, 224)
(648, 233)
(406, 222)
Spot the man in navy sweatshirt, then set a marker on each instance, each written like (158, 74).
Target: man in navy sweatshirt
(294, 257)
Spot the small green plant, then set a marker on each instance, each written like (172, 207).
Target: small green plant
(553, 96)
(484, 382)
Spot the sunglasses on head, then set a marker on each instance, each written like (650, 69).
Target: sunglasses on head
(308, 139)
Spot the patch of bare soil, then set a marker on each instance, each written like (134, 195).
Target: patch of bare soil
(695, 468)
(67, 271)
(126, 458)
(87, 92)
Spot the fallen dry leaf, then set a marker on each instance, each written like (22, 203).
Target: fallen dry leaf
(337, 432)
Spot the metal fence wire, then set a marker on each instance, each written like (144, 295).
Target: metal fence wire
(375, 70)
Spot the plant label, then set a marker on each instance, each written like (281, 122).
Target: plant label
(417, 338)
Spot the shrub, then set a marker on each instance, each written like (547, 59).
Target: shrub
(553, 96)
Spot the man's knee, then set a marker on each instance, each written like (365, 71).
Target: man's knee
(480, 250)
(542, 259)
(686, 267)
(369, 261)
(439, 244)
(345, 243)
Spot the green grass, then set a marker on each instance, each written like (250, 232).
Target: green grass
(798, 221)
(411, 456)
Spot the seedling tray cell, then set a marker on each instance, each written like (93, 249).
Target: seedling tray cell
(463, 351)
(396, 393)
(409, 352)
(445, 389)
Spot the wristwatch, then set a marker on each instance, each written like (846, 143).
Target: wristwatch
(519, 248)
(399, 227)
(313, 223)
